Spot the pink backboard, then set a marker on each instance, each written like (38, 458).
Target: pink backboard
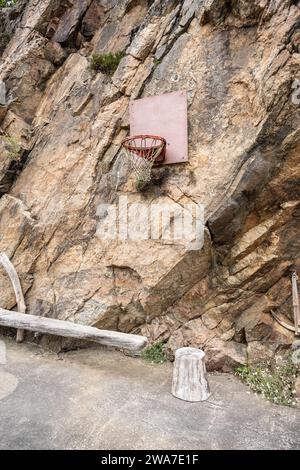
(166, 116)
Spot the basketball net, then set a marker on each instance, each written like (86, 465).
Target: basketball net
(142, 152)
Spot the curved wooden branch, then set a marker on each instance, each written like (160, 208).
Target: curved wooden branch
(13, 276)
(286, 325)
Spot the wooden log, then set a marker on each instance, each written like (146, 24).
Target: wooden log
(189, 375)
(3, 101)
(71, 330)
(2, 94)
(13, 276)
(295, 302)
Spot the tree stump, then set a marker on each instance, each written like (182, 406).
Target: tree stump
(189, 375)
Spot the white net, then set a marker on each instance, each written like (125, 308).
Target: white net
(142, 152)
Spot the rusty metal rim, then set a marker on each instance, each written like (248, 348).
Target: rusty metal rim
(125, 142)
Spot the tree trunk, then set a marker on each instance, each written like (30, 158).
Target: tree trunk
(189, 375)
(71, 330)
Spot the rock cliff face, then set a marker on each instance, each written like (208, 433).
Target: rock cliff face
(238, 61)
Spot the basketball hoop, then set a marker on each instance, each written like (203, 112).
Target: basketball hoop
(144, 151)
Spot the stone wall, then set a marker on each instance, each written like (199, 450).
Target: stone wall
(237, 60)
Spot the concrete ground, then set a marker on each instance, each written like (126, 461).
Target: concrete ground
(99, 399)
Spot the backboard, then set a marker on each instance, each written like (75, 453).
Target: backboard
(164, 115)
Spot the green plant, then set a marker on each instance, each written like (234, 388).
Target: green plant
(276, 382)
(157, 177)
(141, 184)
(154, 353)
(7, 3)
(106, 63)
(12, 147)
